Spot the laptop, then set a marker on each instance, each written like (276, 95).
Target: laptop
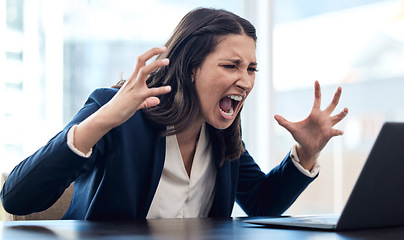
(377, 199)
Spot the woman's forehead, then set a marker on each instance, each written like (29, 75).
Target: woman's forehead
(234, 46)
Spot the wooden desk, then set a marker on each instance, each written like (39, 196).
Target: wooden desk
(177, 229)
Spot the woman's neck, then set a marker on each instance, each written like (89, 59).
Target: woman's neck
(187, 142)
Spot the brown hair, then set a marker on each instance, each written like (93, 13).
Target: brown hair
(194, 38)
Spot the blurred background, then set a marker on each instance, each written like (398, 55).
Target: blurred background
(54, 53)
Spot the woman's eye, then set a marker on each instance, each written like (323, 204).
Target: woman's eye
(230, 66)
(252, 69)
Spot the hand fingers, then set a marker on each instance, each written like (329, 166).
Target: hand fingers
(146, 70)
(284, 123)
(153, 100)
(159, 90)
(337, 118)
(334, 101)
(317, 95)
(149, 102)
(140, 79)
(336, 132)
(142, 59)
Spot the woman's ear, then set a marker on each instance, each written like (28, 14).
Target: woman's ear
(193, 75)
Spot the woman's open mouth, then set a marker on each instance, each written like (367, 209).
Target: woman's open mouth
(228, 105)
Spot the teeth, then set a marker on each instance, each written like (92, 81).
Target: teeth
(236, 98)
(231, 111)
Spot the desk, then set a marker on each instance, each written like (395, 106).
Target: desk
(177, 229)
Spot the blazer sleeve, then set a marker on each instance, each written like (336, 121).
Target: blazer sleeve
(39, 180)
(271, 194)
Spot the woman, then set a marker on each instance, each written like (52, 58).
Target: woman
(168, 142)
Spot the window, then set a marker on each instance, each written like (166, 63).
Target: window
(55, 53)
(358, 45)
(31, 77)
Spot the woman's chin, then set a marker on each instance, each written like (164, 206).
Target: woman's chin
(222, 124)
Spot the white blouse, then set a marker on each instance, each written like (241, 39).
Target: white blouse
(179, 195)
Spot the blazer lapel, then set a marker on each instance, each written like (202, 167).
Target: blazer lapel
(156, 171)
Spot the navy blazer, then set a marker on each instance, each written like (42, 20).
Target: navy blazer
(120, 178)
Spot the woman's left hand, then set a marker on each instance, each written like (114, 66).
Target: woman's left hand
(314, 132)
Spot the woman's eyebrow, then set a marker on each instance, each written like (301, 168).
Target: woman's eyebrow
(235, 61)
(238, 61)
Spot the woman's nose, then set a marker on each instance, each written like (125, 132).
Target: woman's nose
(245, 82)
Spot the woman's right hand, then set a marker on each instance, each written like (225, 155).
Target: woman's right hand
(135, 94)
(132, 96)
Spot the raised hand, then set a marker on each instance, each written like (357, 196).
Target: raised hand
(135, 94)
(314, 132)
(132, 96)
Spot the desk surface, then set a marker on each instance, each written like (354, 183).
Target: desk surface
(177, 229)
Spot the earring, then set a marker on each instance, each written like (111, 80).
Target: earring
(192, 79)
